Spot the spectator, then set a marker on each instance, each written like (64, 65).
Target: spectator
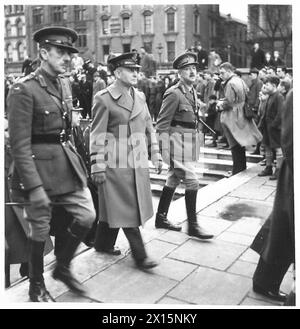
(98, 84)
(137, 56)
(146, 63)
(257, 57)
(254, 89)
(268, 60)
(27, 66)
(277, 60)
(214, 61)
(239, 131)
(209, 85)
(102, 72)
(211, 117)
(271, 127)
(284, 87)
(281, 72)
(76, 62)
(202, 57)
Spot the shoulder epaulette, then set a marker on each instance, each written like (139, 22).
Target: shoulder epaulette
(28, 77)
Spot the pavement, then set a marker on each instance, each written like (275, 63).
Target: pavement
(192, 272)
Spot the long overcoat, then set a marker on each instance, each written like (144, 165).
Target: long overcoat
(276, 240)
(118, 147)
(35, 107)
(271, 120)
(236, 127)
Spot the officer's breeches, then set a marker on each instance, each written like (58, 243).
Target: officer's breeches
(80, 207)
(182, 172)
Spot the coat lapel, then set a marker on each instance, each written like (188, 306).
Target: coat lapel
(122, 99)
(138, 105)
(47, 84)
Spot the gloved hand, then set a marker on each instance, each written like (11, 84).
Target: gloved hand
(158, 164)
(98, 177)
(39, 197)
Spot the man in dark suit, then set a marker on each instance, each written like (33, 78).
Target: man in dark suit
(257, 57)
(177, 124)
(47, 166)
(202, 57)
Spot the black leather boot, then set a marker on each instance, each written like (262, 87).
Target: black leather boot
(193, 227)
(268, 171)
(37, 288)
(62, 270)
(161, 220)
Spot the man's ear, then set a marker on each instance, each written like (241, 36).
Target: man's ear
(44, 53)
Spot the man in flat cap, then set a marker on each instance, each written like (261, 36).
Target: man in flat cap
(177, 124)
(120, 128)
(47, 168)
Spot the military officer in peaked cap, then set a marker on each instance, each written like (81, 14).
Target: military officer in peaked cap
(177, 126)
(47, 167)
(119, 160)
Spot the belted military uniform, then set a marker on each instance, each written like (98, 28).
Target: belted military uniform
(46, 163)
(180, 139)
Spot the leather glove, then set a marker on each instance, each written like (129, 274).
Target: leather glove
(39, 197)
(98, 177)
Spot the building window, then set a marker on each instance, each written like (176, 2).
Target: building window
(19, 25)
(105, 26)
(171, 51)
(7, 10)
(37, 15)
(59, 14)
(148, 47)
(171, 22)
(126, 47)
(19, 9)
(147, 24)
(82, 38)
(9, 53)
(8, 29)
(105, 8)
(79, 13)
(125, 25)
(196, 23)
(20, 51)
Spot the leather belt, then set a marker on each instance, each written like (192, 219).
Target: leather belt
(49, 139)
(189, 125)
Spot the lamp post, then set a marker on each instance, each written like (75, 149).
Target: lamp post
(159, 50)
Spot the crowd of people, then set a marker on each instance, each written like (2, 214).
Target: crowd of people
(79, 189)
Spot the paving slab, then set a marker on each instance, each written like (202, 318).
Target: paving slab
(242, 268)
(250, 256)
(254, 302)
(214, 209)
(247, 225)
(210, 287)
(213, 225)
(237, 238)
(69, 297)
(249, 191)
(171, 301)
(213, 253)
(125, 284)
(174, 269)
(174, 237)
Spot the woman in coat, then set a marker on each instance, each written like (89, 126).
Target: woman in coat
(238, 130)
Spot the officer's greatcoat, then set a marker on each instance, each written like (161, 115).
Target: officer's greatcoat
(118, 147)
(36, 107)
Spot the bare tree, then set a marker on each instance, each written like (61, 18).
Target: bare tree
(272, 23)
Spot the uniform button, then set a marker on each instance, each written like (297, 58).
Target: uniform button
(47, 112)
(63, 103)
(33, 156)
